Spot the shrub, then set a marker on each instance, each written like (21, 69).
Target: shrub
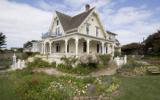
(26, 55)
(104, 59)
(69, 61)
(89, 61)
(38, 62)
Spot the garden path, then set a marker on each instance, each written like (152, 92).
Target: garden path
(53, 71)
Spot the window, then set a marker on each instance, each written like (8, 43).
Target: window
(97, 31)
(57, 47)
(106, 49)
(87, 28)
(58, 31)
(68, 48)
(97, 48)
(84, 46)
(57, 22)
(92, 19)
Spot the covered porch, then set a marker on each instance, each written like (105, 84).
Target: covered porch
(76, 45)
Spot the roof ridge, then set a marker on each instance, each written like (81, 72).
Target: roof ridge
(63, 13)
(69, 22)
(83, 12)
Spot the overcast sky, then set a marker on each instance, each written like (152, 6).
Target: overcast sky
(24, 20)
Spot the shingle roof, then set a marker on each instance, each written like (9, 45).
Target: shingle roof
(69, 22)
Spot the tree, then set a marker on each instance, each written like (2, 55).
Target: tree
(132, 48)
(2, 40)
(27, 44)
(152, 44)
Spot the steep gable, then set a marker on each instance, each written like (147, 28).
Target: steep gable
(69, 22)
(95, 26)
(64, 19)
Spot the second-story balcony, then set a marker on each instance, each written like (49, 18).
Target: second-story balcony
(49, 35)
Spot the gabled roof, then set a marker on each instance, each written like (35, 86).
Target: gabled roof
(69, 22)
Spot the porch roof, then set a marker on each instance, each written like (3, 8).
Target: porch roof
(80, 35)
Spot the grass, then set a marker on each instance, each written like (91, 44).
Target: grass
(28, 85)
(24, 85)
(6, 89)
(139, 88)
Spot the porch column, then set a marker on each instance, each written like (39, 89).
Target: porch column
(50, 47)
(113, 49)
(44, 48)
(66, 43)
(88, 46)
(108, 48)
(76, 43)
(102, 47)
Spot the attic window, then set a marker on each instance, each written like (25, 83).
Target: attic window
(92, 19)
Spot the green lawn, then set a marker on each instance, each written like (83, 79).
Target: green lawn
(139, 88)
(6, 89)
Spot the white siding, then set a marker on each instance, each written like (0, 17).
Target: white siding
(55, 26)
(93, 21)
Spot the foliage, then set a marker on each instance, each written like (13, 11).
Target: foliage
(152, 44)
(131, 62)
(153, 70)
(28, 44)
(117, 53)
(69, 61)
(38, 86)
(26, 55)
(38, 62)
(104, 59)
(5, 60)
(2, 39)
(132, 48)
(78, 69)
(89, 61)
(139, 88)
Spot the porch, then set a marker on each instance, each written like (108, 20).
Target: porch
(76, 45)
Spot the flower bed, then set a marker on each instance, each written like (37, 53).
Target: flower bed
(38, 86)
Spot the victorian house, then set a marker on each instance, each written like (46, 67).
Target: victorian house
(77, 35)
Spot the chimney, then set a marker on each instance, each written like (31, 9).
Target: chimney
(87, 7)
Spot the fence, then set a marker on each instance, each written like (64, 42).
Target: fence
(17, 64)
(120, 61)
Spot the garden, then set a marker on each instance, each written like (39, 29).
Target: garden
(134, 81)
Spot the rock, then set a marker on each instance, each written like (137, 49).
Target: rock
(91, 89)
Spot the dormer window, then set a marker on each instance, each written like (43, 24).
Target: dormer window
(87, 28)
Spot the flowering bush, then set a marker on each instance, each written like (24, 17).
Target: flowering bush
(38, 86)
(38, 62)
(104, 59)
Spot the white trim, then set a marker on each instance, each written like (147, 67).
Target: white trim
(86, 19)
(59, 23)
